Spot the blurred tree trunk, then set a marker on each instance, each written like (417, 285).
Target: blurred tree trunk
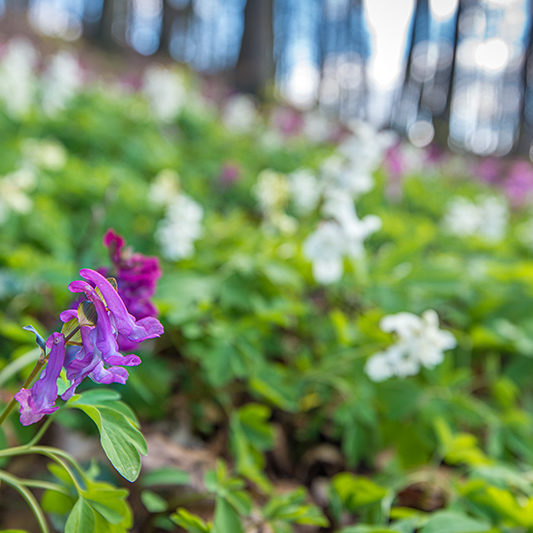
(16, 5)
(255, 66)
(104, 30)
(109, 30)
(442, 121)
(525, 126)
(173, 19)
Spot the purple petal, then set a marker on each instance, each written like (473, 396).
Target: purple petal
(40, 399)
(115, 374)
(147, 328)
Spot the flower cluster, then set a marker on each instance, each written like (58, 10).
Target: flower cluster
(240, 114)
(344, 176)
(182, 224)
(136, 276)
(13, 192)
(93, 330)
(61, 81)
(339, 237)
(165, 90)
(486, 219)
(17, 80)
(420, 344)
(180, 228)
(273, 194)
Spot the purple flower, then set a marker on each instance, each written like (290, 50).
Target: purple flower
(489, 169)
(98, 357)
(40, 399)
(519, 183)
(136, 276)
(229, 174)
(101, 319)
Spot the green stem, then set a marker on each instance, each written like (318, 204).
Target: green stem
(46, 485)
(58, 456)
(38, 436)
(18, 485)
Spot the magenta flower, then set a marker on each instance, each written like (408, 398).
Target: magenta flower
(229, 174)
(489, 169)
(101, 319)
(519, 183)
(136, 276)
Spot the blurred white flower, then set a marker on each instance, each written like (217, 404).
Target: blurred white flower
(240, 114)
(165, 90)
(487, 218)
(164, 188)
(271, 140)
(47, 154)
(325, 249)
(272, 193)
(271, 190)
(367, 145)
(341, 237)
(17, 80)
(180, 228)
(317, 127)
(420, 344)
(13, 189)
(60, 82)
(340, 173)
(305, 190)
(338, 205)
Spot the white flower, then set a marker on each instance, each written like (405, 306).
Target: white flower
(339, 173)
(13, 188)
(164, 188)
(338, 205)
(180, 228)
(271, 190)
(379, 367)
(47, 154)
(366, 146)
(305, 190)
(487, 218)
(60, 82)
(325, 248)
(165, 90)
(317, 127)
(240, 114)
(420, 343)
(17, 81)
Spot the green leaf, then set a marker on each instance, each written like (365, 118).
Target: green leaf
(153, 502)
(165, 476)
(292, 508)
(226, 518)
(57, 502)
(190, 522)
(122, 442)
(357, 491)
(454, 522)
(81, 518)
